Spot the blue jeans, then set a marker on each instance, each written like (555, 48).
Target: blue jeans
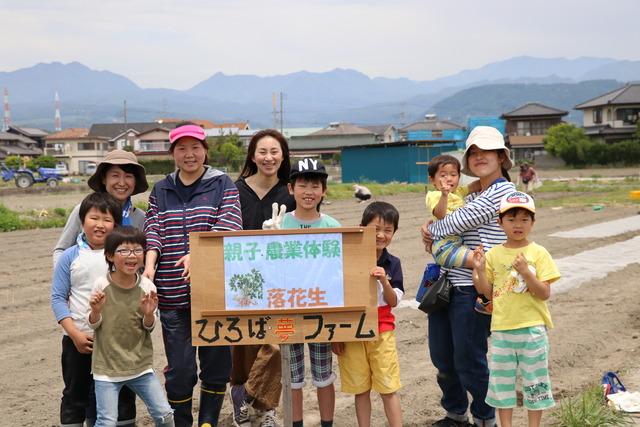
(147, 387)
(458, 346)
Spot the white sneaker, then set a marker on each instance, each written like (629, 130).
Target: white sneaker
(269, 419)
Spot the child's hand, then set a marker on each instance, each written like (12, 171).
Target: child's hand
(337, 348)
(478, 259)
(379, 273)
(83, 342)
(427, 238)
(186, 261)
(520, 264)
(97, 301)
(445, 187)
(149, 303)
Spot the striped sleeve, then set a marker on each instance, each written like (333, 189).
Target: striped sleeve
(229, 215)
(152, 229)
(481, 210)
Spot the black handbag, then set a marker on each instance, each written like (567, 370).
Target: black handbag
(437, 295)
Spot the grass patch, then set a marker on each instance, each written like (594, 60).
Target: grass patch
(589, 409)
(11, 220)
(586, 193)
(345, 190)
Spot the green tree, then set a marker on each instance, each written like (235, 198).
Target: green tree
(42, 162)
(13, 162)
(226, 151)
(569, 143)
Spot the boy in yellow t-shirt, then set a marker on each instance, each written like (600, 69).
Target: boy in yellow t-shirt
(517, 276)
(444, 173)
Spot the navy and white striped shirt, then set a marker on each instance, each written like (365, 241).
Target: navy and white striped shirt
(477, 223)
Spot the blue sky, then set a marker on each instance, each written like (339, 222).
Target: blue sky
(176, 44)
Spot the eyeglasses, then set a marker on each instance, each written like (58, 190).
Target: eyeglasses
(129, 252)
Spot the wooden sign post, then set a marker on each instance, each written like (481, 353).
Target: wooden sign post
(283, 287)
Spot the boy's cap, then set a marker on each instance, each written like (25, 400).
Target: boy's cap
(485, 138)
(307, 166)
(193, 131)
(517, 199)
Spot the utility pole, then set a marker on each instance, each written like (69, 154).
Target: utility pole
(58, 117)
(7, 111)
(281, 113)
(274, 106)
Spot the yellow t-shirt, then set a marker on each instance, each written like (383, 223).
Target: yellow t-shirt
(455, 200)
(514, 307)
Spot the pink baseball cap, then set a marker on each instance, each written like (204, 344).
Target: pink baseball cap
(193, 131)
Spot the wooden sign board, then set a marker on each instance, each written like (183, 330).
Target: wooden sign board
(283, 286)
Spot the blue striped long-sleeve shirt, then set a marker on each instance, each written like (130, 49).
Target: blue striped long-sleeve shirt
(213, 206)
(477, 223)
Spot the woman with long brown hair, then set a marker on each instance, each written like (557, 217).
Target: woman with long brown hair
(256, 373)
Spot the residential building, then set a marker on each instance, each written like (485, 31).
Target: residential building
(495, 122)
(76, 148)
(433, 129)
(330, 140)
(122, 135)
(526, 127)
(13, 144)
(153, 142)
(613, 116)
(384, 133)
(34, 134)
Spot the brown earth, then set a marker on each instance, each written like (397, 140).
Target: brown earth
(597, 325)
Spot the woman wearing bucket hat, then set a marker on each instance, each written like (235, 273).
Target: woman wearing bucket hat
(457, 333)
(256, 369)
(120, 175)
(195, 197)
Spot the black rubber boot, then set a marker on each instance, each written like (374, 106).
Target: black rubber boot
(211, 398)
(182, 412)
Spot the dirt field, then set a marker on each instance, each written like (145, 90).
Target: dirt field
(597, 324)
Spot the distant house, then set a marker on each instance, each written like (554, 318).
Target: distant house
(495, 122)
(384, 133)
(331, 140)
(526, 127)
(34, 134)
(13, 144)
(154, 142)
(224, 129)
(76, 148)
(121, 135)
(613, 116)
(433, 129)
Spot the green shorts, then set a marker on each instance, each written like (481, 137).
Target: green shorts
(519, 353)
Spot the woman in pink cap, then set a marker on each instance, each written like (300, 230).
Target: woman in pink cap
(458, 333)
(195, 197)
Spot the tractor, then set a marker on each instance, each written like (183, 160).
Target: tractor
(25, 178)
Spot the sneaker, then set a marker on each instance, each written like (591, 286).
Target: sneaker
(484, 307)
(269, 419)
(450, 422)
(240, 408)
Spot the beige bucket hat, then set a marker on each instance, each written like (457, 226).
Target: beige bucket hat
(485, 138)
(119, 158)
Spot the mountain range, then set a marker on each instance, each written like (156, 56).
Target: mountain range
(311, 98)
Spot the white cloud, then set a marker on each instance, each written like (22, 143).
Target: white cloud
(177, 44)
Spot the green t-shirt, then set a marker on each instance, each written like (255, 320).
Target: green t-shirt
(122, 344)
(325, 221)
